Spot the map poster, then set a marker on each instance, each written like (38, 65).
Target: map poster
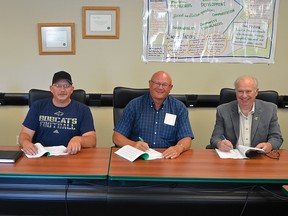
(215, 31)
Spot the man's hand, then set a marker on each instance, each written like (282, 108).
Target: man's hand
(224, 145)
(29, 148)
(267, 147)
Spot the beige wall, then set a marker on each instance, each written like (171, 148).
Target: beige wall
(101, 64)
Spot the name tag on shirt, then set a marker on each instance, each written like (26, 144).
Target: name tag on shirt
(170, 119)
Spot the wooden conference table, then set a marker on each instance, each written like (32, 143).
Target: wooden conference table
(202, 166)
(88, 164)
(58, 185)
(202, 182)
(99, 180)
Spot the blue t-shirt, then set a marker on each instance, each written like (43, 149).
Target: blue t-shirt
(160, 129)
(57, 125)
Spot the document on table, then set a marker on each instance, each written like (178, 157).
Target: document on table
(234, 153)
(131, 153)
(241, 152)
(49, 151)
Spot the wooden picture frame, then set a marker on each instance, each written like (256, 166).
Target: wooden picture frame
(56, 38)
(100, 22)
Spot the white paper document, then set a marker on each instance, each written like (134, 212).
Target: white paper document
(49, 151)
(241, 152)
(131, 153)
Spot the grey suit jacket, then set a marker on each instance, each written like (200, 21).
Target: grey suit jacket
(265, 126)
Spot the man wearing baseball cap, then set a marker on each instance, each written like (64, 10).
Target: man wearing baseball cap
(59, 120)
(62, 75)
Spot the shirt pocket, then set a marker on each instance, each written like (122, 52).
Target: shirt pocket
(168, 133)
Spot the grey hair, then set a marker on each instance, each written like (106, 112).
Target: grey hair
(245, 76)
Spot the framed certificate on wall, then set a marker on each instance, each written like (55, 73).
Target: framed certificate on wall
(100, 22)
(56, 38)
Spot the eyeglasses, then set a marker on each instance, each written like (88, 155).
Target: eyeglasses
(158, 84)
(274, 154)
(57, 85)
(247, 92)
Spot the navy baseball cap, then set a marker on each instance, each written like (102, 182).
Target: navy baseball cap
(62, 75)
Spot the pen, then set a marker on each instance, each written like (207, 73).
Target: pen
(141, 139)
(228, 145)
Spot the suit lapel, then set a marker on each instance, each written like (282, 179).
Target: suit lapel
(235, 120)
(255, 120)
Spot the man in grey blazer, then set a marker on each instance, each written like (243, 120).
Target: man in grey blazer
(247, 120)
